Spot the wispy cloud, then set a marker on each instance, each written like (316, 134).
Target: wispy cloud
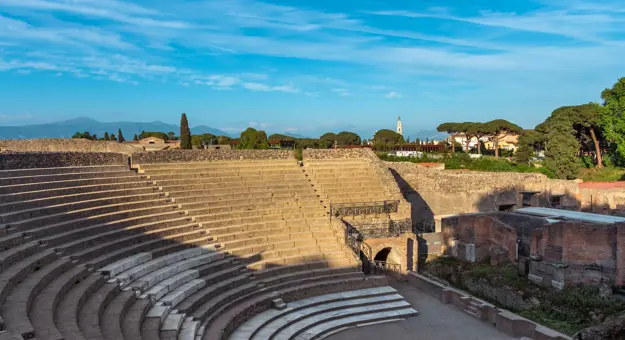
(9, 118)
(393, 95)
(267, 88)
(342, 92)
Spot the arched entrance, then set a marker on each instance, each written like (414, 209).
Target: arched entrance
(388, 254)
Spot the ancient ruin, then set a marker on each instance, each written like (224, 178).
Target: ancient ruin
(246, 244)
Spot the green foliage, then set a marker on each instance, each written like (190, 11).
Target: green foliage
(155, 134)
(223, 140)
(120, 137)
(280, 137)
(342, 138)
(299, 154)
(561, 145)
(113, 138)
(85, 135)
(388, 137)
(106, 136)
(136, 138)
(607, 174)
(569, 310)
(612, 120)
(206, 138)
(185, 133)
(530, 141)
(253, 139)
(464, 161)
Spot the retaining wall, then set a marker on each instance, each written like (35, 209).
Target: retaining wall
(505, 321)
(184, 156)
(66, 145)
(29, 160)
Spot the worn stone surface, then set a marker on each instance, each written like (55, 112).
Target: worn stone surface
(183, 156)
(612, 328)
(66, 145)
(28, 160)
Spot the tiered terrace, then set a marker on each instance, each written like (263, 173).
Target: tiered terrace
(176, 251)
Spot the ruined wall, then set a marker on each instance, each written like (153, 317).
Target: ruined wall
(479, 238)
(66, 145)
(603, 199)
(28, 160)
(182, 156)
(574, 252)
(435, 192)
(406, 246)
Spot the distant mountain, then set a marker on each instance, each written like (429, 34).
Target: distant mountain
(67, 128)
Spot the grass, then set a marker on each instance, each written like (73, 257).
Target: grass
(463, 161)
(567, 311)
(607, 174)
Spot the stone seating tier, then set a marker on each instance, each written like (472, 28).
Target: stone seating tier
(109, 253)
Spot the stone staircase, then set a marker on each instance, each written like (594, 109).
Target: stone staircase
(171, 251)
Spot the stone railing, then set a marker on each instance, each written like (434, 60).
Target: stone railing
(505, 321)
(29, 160)
(183, 156)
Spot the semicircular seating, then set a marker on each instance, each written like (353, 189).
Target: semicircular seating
(171, 251)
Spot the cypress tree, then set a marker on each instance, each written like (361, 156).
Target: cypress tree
(136, 139)
(120, 137)
(185, 133)
(113, 138)
(106, 136)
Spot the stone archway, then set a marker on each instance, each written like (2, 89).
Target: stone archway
(388, 254)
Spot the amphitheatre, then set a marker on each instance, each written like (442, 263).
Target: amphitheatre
(110, 243)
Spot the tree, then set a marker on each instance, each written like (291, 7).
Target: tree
(612, 120)
(530, 141)
(417, 141)
(328, 139)
(106, 136)
(348, 138)
(561, 146)
(206, 138)
(453, 129)
(171, 135)
(223, 140)
(477, 130)
(136, 138)
(185, 133)
(305, 143)
(499, 129)
(160, 135)
(388, 137)
(253, 139)
(280, 137)
(120, 137)
(113, 138)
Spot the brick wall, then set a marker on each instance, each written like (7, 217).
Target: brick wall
(26, 160)
(182, 156)
(491, 238)
(576, 252)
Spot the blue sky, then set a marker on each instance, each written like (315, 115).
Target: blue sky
(305, 66)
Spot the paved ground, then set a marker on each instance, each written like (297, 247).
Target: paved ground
(436, 321)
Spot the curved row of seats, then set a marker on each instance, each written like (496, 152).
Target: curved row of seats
(317, 317)
(345, 180)
(176, 251)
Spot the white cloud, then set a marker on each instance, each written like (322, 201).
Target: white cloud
(6, 118)
(267, 88)
(342, 92)
(392, 95)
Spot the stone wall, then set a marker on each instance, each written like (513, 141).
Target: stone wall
(435, 192)
(66, 145)
(603, 200)
(479, 238)
(26, 160)
(183, 156)
(505, 321)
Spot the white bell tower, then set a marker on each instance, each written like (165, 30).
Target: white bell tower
(399, 128)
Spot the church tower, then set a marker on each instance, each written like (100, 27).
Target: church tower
(399, 128)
